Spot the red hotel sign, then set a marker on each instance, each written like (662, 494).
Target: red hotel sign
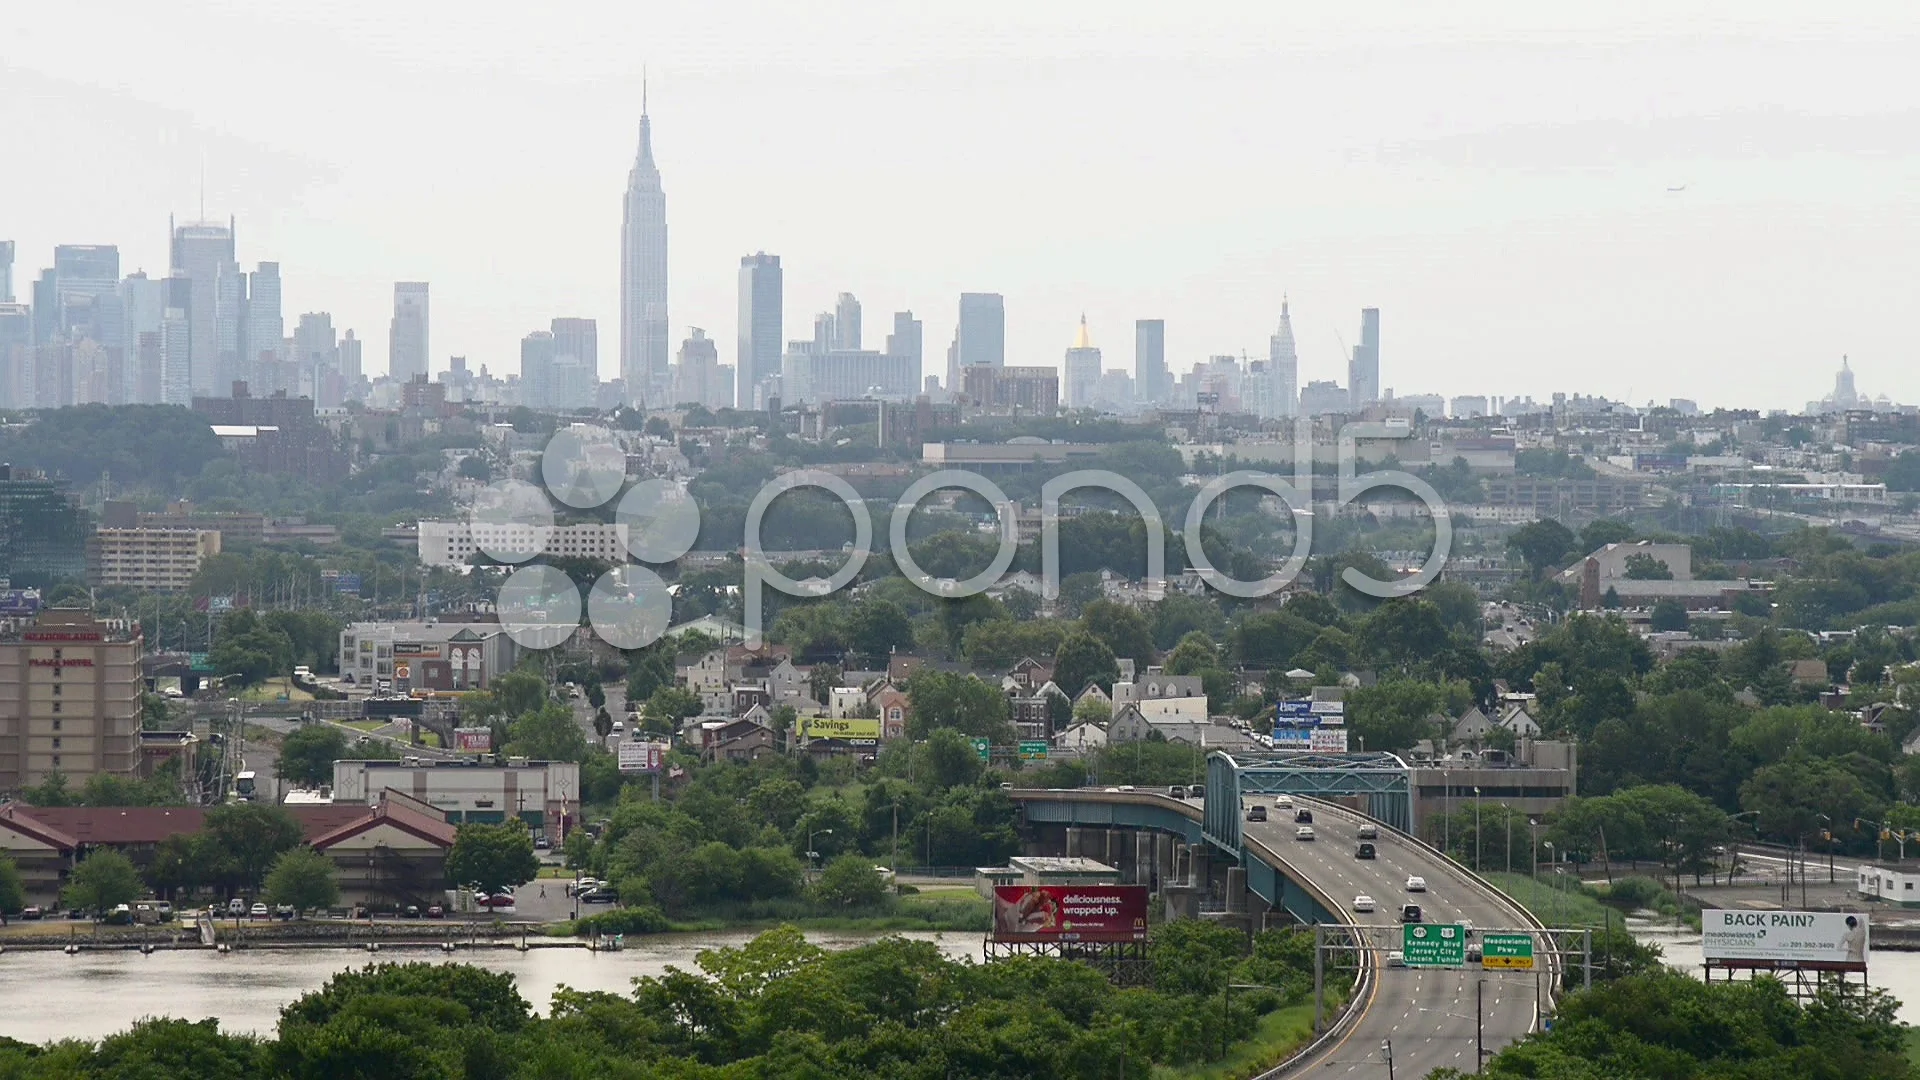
(79, 661)
(1070, 913)
(61, 635)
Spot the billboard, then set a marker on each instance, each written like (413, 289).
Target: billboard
(641, 757)
(1328, 740)
(422, 650)
(1070, 913)
(473, 740)
(1813, 940)
(1329, 708)
(19, 601)
(1288, 737)
(1293, 710)
(853, 729)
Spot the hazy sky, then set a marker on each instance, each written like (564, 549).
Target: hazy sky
(1493, 176)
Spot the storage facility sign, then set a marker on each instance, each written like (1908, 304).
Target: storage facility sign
(1811, 940)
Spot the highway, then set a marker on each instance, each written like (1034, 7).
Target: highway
(1426, 1014)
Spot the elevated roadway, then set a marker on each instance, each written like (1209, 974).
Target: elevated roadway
(1427, 1016)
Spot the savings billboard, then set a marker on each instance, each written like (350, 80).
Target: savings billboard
(1070, 913)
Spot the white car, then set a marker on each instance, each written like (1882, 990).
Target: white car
(1283, 803)
(1416, 883)
(1395, 959)
(1304, 832)
(1363, 902)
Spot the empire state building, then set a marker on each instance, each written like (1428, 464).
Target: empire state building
(643, 279)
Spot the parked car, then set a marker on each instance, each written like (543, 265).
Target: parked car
(31, 912)
(1410, 913)
(1368, 832)
(165, 909)
(1256, 813)
(1304, 832)
(284, 912)
(1416, 883)
(411, 911)
(258, 911)
(541, 843)
(496, 901)
(435, 911)
(1363, 902)
(1364, 851)
(236, 907)
(583, 884)
(600, 896)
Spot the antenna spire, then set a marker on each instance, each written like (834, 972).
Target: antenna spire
(643, 89)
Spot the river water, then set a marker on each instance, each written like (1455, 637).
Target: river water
(46, 996)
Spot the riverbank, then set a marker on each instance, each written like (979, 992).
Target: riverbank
(950, 911)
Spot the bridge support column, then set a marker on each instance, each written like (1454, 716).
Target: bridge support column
(1163, 857)
(1143, 858)
(1076, 841)
(1236, 890)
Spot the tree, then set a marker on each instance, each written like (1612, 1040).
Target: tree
(549, 733)
(821, 680)
(1644, 567)
(1084, 659)
(1121, 628)
(245, 646)
(13, 894)
(668, 706)
(252, 835)
(1543, 545)
(1669, 614)
(492, 857)
(475, 467)
(603, 724)
(52, 791)
(103, 881)
(307, 755)
(877, 626)
(971, 706)
(1600, 532)
(951, 760)
(850, 881)
(1092, 711)
(302, 879)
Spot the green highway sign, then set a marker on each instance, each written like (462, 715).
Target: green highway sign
(1433, 945)
(1511, 951)
(983, 748)
(1033, 751)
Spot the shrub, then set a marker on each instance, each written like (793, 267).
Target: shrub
(646, 919)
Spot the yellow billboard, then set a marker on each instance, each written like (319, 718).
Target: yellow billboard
(847, 727)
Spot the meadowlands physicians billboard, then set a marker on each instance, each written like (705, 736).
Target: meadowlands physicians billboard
(1070, 913)
(1812, 940)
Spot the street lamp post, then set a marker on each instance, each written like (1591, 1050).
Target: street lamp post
(1829, 839)
(813, 855)
(1554, 855)
(1476, 828)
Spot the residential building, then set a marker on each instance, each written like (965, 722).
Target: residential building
(1030, 390)
(201, 253)
(266, 327)
(69, 700)
(407, 338)
(1150, 360)
(160, 560)
(761, 330)
(699, 378)
(536, 369)
(6, 271)
(1323, 397)
(1081, 369)
(644, 353)
(575, 373)
(16, 356)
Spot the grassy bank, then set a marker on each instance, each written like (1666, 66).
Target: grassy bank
(960, 912)
(1577, 904)
(1279, 1033)
(1913, 1045)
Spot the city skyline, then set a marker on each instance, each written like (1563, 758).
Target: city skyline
(1493, 227)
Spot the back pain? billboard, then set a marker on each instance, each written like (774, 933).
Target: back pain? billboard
(1784, 940)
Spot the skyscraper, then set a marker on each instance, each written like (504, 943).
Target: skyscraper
(266, 327)
(576, 363)
(350, 367)
(979, 338)
(1283, 366)
(644, 356)
(143, 309)
(6, 271)
(1363, 373)
(1082, 369)
(536, 369)
(199, 252)
(699, 378)
(315, 348)
(82, 273)
(760, 327)
(407, 335)
(846, 322)
(176, 342)
(1150, 360)
(905, 339)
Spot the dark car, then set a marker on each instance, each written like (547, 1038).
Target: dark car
(1303, 817)
(1256, 813)
(1196, 791)
(599, 896)
(1177, 791)
(1410, 913)
(1364, 851)
(412, 912)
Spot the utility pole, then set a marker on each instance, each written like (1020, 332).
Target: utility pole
(1479, 1030)
(1509, 810)
(1386, 1051)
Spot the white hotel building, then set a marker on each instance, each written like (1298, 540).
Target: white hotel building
(452, 544)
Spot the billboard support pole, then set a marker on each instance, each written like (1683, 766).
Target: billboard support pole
(656, 785)
(1586, 959)
(1319, 976)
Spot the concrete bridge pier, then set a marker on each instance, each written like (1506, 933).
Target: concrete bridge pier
(1144, 863)
(1076, 841)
